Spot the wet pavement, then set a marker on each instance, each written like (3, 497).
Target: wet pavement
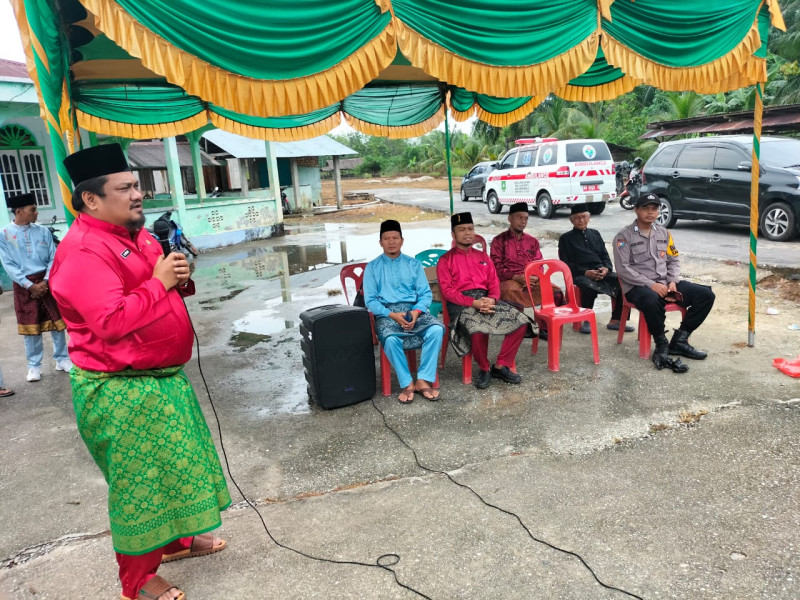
(667, 486)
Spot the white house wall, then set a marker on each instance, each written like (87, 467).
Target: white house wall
(310, 176)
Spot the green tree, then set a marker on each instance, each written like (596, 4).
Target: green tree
(681, 105)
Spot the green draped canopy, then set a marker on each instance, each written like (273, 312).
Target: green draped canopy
(283, 71)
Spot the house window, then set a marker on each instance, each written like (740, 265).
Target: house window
(23, 166)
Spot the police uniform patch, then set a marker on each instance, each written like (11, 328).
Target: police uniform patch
(671, 249)
(663, 253)
(620, 243)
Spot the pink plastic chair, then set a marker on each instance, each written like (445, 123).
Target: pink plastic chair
(555, 316)
(644, 332)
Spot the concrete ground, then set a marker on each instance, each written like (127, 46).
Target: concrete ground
(665, 485)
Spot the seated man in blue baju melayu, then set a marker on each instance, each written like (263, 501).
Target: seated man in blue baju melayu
(396, 291)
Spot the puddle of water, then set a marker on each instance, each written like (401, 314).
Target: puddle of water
(242, 340)
(263, 322)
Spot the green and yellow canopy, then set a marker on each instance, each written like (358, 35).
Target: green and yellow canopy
(290, 70)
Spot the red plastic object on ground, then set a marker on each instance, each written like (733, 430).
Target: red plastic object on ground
(790, 367)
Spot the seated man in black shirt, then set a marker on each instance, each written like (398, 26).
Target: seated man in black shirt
(585, 254)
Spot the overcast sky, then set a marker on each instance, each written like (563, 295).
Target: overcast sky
(10, 44)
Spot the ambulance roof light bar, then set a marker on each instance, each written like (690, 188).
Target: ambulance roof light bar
(536, 140)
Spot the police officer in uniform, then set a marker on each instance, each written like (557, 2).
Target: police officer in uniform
(648, 268)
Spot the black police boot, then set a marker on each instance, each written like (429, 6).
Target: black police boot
(680, 345)
(661, 357)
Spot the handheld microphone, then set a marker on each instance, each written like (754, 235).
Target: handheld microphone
(161, 231)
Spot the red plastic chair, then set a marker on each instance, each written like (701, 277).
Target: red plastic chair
(644, 332)
(355, 273)
(555, 316)
(479, 243)
(466, 360)
(577, 291)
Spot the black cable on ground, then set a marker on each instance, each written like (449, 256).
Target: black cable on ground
(385, 561)
(502, 510)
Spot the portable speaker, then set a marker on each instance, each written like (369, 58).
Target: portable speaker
(338, 355)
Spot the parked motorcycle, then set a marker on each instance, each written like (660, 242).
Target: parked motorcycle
(622, 169)
(633, 186)
(177, 241)
(53, 231)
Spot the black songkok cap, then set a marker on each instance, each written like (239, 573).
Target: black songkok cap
(464, 218)
(646, 199)
(21, 201)
(391, 225)
(578, 209)
(96, 162)
(518, 207)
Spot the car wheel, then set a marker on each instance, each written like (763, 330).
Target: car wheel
(595, 208)
(666, 216)
(464, 196)
(778, 222)
(544, 206)
(493, 203)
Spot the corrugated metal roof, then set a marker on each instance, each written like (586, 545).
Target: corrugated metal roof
(775, 119)
(13, 69)
(242, 147)
(345, 164)
(150, 155)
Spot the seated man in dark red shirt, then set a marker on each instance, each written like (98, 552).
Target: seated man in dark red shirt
(471, 289)
(512, 250)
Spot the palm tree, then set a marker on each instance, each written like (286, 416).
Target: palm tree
(681, 105)
(555, 117)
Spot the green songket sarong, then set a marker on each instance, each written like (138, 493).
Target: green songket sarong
(146, 432)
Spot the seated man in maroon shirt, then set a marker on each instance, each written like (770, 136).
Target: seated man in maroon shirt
(511, 252)
(469, 285)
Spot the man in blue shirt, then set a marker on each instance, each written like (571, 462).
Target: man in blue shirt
(396, 291)
(27, 251)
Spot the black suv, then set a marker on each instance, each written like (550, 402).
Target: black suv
(709, 178)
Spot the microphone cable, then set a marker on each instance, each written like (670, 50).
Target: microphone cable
(502, 510)
(384, 561)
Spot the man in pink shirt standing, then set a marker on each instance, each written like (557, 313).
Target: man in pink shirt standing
(137, 413)
(469, 284)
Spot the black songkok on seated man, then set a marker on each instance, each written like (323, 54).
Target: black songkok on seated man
(518, 207)
(579, 208)
(391, 225)
(464, 218)
(21, 201)
(96, 162)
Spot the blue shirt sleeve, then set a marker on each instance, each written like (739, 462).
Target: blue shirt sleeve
(424, 294)
(371, 286)
(12, 266)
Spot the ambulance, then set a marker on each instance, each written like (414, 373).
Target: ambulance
(549, 174)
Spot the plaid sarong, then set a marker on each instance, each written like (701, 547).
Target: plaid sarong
(465, 320)
(146, 432)
(36, 315)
